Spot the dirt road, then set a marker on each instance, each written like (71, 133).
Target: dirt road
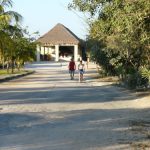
(48, 111)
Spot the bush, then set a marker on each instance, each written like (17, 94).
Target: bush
(102, 73)
(136, 80)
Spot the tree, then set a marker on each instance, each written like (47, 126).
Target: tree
(6, 18)
(22, 48)
(25, 51)
(16, 44)
(122, 30)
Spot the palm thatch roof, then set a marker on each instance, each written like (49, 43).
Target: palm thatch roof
(60, 35)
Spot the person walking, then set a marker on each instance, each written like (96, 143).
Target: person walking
(81, 69)
(72, 68)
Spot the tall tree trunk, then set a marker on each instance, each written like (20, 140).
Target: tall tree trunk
(3, 62)
(7, 66)
(12, 65)
(2, 55)
(139, 58)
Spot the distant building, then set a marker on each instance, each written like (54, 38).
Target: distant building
(59, 43)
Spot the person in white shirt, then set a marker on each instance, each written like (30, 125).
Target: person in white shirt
(81, 69)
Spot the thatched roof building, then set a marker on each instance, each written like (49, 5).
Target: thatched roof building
(59, 41)
(59, 35)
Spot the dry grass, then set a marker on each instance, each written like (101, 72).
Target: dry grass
(141, 145)
(109, 79)
(141, 127)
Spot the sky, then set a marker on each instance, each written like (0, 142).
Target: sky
(42, 15)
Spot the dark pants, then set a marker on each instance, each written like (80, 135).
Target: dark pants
(71, 74)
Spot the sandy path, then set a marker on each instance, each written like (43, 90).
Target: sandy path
(47, 111)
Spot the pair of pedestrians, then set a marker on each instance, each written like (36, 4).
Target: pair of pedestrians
(72, 68)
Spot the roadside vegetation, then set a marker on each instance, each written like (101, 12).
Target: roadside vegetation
(119, 38)
(16, 71)
(16, 44)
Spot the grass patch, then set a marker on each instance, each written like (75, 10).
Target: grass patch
(4, 72)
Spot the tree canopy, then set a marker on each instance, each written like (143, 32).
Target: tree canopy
(121, 32)
(16, 45)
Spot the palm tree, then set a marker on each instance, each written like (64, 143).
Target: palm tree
(6, 19)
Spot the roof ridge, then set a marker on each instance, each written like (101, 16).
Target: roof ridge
(59, 34)
(70, 32)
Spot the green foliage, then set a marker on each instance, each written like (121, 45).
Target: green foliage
(145, 73)
(122, 30)
(7, 17)
(16, 44)
(99, 55)
(136, 80)
(25, 50)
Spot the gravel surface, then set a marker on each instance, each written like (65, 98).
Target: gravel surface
(48, 111)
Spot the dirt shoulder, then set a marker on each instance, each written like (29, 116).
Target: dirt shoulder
(7, 77)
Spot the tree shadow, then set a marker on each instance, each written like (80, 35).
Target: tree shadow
(77, 129)
(76, 94)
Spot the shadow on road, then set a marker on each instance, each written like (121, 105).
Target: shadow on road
(76, 94)
(72, 129)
